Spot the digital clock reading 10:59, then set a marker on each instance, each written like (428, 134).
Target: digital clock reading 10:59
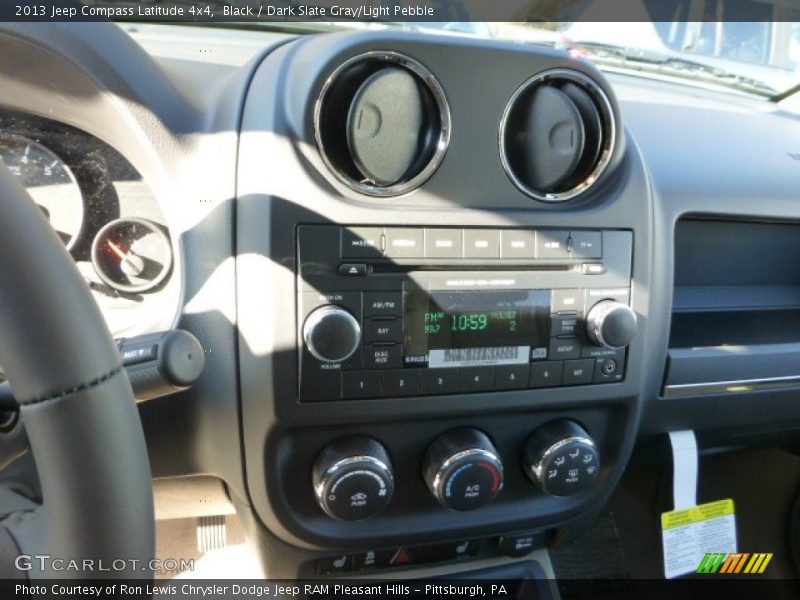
(471, 321)
(474, 319)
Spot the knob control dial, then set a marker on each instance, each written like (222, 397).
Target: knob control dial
(611, 324)
(353, 478)
(463, 470)
(331, 334)
(561, 458)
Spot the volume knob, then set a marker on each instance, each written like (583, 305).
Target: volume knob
(331, 334)
(611, 324)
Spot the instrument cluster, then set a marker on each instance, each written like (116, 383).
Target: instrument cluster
(103, 211)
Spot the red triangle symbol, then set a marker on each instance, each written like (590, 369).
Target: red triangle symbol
(401, 557)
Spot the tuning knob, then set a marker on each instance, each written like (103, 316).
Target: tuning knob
(463, 470)
(561, 458)
(353, 478)
(611, 324)
(331, 334)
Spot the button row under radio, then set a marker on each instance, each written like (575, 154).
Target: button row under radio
(415, 382)
(429, 242)
(392, 383)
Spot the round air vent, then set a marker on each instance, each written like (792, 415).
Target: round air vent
(557, 135)
(382, 124)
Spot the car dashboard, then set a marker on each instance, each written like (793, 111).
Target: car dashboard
(426, 325)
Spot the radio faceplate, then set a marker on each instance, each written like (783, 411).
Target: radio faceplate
(405, 320)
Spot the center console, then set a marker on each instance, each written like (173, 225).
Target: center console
(389, 312)
(442, 321)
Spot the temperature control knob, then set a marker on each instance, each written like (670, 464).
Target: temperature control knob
(611, 324)
(462, 469)
(561, 458)
(331, 334)
(353, 478)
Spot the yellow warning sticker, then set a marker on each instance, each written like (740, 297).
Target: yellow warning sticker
(690, 534)
(696, 514)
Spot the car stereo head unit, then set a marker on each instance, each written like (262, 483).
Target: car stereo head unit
(415, 322)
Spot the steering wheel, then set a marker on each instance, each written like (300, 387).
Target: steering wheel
(80, 416)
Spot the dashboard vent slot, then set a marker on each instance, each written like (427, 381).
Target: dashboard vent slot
(557, 135)
(382, 124)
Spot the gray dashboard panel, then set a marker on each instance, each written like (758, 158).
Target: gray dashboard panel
(717, 155)
(233, 192)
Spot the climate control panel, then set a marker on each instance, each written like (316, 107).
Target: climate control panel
(353, 477)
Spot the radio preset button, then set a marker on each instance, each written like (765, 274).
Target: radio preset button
(567, 301)
(518, 243)
(511, 377)
(552, 244)
(361, 384)
(383, 304)
(440, 381)
(403, 242)
(384, 330)
(481, 243)
(383, 357)
(402, 382)
(564, 348)
(578, 372)
(443, 243)
(546, 374)
(586, 244)
(362, 242)
(475, 379)
(564, 325)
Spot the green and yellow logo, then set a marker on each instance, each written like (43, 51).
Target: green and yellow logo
(738, 562)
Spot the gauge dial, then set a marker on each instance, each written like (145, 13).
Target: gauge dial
(49, 181)
(132, 255)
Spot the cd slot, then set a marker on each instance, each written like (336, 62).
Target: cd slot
(394, 267)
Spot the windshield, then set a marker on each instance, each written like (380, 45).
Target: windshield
(760, 57)
(756, 57)
(748, 45)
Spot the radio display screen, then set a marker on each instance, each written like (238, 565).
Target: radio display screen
(437, 320)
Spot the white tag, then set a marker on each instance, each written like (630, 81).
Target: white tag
(689, 534)
(684, 471)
